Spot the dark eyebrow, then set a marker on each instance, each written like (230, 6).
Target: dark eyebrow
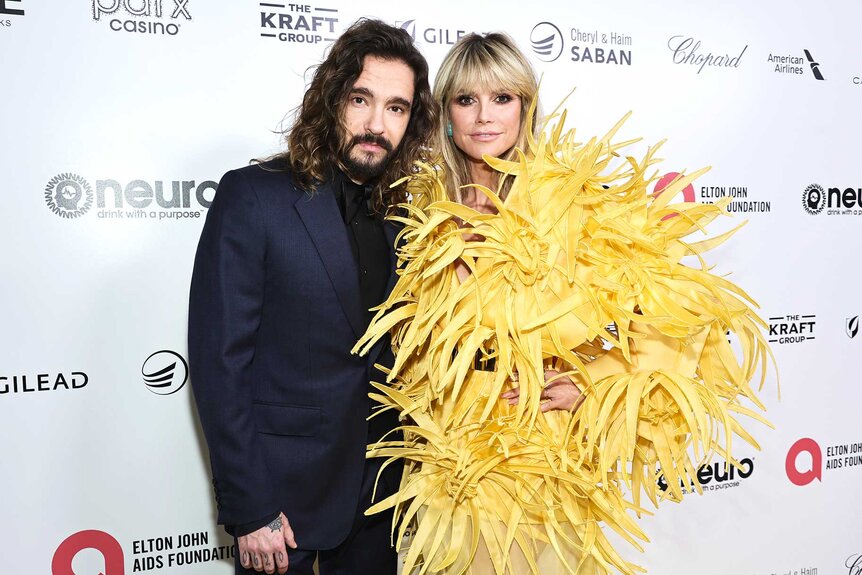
(401, 101)
(363, 91)
(396, 100)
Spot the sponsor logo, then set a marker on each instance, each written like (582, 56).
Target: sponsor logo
(546, 41)
(431, 35)
(147, 553)
(585, 45)
(813, 199)
(298, 23)
(742, 200)
(110, 549)
(165, 372)
(835, 201)
(667, 179)
(804, 476)
(792, 328)
(857, 80)
(716, 476)
(154, 17)
(815, 66)
(794, 64)
(854, 564)
(838, 456)
(9, 8)
(68, 381)
(851, 326)
(70, 195)
(687, 50)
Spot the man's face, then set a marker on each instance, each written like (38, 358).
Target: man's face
(376, 115)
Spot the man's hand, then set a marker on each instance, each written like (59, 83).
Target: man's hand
(264, 549)
(560, 392)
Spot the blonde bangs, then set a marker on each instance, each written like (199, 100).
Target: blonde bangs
(494, 68)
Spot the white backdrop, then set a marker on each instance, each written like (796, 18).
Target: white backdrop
(118, 117)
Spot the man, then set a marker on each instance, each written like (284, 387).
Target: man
(293, 254)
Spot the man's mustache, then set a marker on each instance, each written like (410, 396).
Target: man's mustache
(372, 139)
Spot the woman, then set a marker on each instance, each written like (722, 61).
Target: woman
(552, 353)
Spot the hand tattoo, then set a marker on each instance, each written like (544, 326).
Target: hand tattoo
(275, 524)
(245, 557)
(256, 560)
(280, 556)
(268, 560)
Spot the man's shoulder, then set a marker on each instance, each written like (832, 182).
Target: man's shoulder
(262, 176)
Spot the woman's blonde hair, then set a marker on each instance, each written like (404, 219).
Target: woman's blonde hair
(491, 62)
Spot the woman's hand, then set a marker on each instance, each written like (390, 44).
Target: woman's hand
(560, 392)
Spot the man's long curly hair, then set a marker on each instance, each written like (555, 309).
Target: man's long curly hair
(318, 137)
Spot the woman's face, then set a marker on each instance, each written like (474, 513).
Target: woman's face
(485, 122)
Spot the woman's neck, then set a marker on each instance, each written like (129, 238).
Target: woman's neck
(481, 174)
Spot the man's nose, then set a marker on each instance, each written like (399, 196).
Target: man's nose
(374, 122)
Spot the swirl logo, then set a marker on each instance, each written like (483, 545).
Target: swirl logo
(547, 41)
(408, 26)
(802, 477)
(165, 372)
(104, 543)
(851, 326)
(69, 195)
(815, 66)
(814, 199)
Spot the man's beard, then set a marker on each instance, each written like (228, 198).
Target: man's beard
(365, 166)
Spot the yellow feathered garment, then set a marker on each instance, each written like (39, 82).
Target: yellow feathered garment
(580, 270)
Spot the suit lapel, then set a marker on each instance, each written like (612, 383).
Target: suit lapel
(322, 218)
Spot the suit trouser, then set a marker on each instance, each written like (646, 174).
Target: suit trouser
(367, 549)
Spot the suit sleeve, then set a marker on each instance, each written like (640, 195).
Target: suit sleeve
(225, 306)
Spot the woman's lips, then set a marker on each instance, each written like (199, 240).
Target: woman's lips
(484, 136)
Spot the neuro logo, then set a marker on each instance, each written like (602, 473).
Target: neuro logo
(805, 476)
(814, 199)
(10, 11)
(547, 41)
(725, 475)
(110, 549)
(69, 195)
(851, 326)
(408, 26)
(165, 372)
(815, 66)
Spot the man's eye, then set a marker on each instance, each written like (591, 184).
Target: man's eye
(357, 100)
(397, 109)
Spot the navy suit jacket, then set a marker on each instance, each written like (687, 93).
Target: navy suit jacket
(273, 313)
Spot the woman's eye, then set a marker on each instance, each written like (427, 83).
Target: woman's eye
(504, 98)
(464, 100)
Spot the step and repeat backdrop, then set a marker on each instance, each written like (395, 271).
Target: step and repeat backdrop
(120, 116)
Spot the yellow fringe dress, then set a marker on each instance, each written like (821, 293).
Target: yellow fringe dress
(580, 270)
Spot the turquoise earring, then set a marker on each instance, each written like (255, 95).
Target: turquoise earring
(449, 129)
